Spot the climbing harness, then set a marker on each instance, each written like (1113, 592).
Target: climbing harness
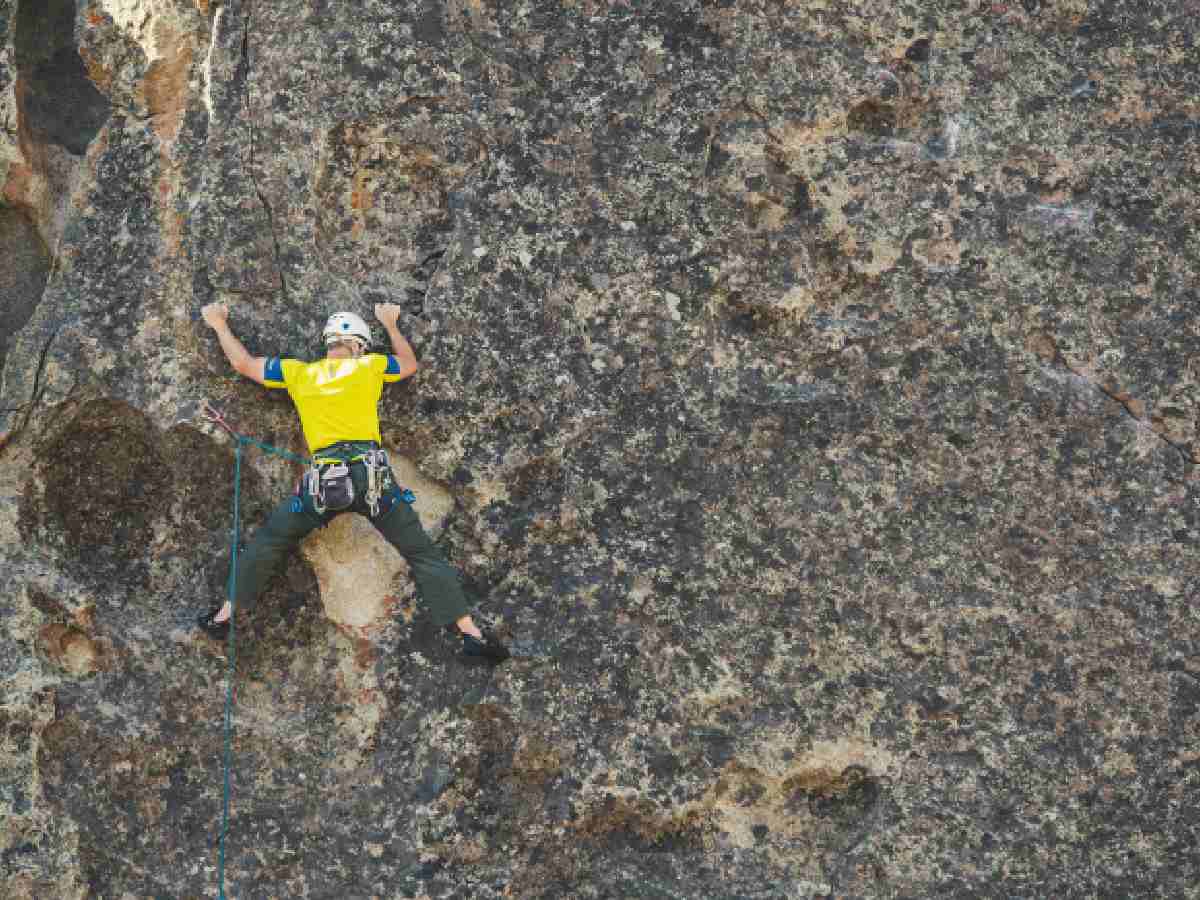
(241, 440)
(329, 484)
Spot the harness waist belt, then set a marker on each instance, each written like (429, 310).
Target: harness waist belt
(344, 451)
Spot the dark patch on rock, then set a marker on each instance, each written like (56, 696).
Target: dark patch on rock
(431, 27)
(642, 826)
(684, 32)
(23, 275)
(109, 479)
(873, 116)
(117, 787)
(919, 50)
(842, 797)
(1185, 696)
(105, 482)
(58, 100)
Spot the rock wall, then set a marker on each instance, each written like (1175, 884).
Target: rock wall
(808, 397)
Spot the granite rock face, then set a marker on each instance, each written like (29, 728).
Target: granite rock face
(809, 398)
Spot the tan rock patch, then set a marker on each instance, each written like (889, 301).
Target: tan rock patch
(937, 255)
(761, 791)
(72, 650)
(433, 503)
(356, 568)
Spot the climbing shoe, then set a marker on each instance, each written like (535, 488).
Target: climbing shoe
(218, 631)
(489, 648)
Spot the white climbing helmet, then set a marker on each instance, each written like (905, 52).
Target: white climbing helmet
(343, 325)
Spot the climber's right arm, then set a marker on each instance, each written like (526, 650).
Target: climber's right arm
(216, 316)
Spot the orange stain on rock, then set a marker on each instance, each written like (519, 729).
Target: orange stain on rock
(172, 220)
(97, 74)
(173, 234)
(17, 186)
(360, 193)
(364, 653)
(70, 649)
(165, 88)
(85, 617)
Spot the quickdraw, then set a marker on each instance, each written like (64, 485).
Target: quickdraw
(378, 477)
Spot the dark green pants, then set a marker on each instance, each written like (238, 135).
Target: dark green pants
(437, 581)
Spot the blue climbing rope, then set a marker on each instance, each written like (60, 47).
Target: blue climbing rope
(231, 651)
(231, 646)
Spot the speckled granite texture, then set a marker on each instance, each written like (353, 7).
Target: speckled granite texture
(809, 397)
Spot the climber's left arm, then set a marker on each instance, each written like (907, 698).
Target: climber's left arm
(216, 316)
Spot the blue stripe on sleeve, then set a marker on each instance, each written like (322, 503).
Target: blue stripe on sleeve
(273, 370)
(393, 366)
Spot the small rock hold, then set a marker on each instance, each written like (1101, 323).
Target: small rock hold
(70, 649)
(873, 117)
(919, 50)
(1082, 86)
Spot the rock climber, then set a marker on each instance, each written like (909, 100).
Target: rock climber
(337, 400)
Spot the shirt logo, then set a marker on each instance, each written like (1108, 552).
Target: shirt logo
(332, 370)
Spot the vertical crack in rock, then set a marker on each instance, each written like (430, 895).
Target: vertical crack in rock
(251, 153)
(35, 393)
(1047, 348)
(438, 259)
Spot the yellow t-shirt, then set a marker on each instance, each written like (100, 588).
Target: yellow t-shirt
(337, 399)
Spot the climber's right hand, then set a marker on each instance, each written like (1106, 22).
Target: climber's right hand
(215, 315)
(388, 313)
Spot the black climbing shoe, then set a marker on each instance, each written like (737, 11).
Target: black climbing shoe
(489, 648)
(218, 631)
